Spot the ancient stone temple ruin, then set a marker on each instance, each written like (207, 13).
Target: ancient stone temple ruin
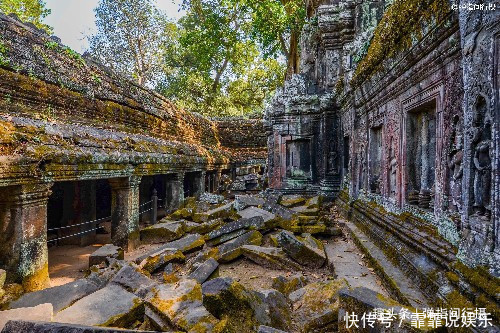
(371, 183)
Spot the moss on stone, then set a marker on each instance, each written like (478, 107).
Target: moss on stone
(38, 280)
(480, 277)
(400, 25)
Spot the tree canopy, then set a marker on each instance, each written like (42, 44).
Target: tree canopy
(223, 57)
(33, 11)
(216, 68)
(130, 36)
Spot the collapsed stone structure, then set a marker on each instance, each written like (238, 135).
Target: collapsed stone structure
(397, 103)
(71, 128)
(394, 116)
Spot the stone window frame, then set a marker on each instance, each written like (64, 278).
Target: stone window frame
(434, 92)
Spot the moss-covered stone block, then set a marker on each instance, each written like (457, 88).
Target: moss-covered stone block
(229, 300)
(287, 285)
(292, 202)
(162, 232)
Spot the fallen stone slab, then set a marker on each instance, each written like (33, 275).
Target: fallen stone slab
(314, 202)
(297, 226)
(104, 252)
(186, 244)
(277, 307)
(3, 277)
(156, 320)
(303, 210)
(226, 298)
(231, 250)
(312, 242)
(278, 210)
(203, 271)
(181, 303)
(243, 201)
(211, 198)
(307, 220)
(226, 237)
(256, 211)
(316, 306)
(292, 201)
(101, 276)
(59, 297)
(42, 312)
(165, 231)
(267, 329)
(333, 231)
(160, 259)
(270, 257)
(111, 306)
(132, 280)
(203, 228)
(301, 252)
(224, 212)
(287, 285)
(21, 326)
(183, 214)
(255, 222)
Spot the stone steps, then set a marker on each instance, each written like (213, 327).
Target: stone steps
(396, 282)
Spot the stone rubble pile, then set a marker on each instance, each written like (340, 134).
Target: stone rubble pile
(176, 286)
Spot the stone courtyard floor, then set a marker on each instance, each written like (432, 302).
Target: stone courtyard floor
(265, 263)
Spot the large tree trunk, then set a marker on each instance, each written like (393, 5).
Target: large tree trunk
(293, 50)
(293, 55)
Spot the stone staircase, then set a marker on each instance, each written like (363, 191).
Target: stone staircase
(418, 267)
(398, 285)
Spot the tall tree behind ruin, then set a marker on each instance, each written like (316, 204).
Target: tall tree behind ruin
(129, 39)
(216, 68)
(277, 26)
(33, 11)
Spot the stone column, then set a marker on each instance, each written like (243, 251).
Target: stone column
(218, 177)
(175, 192)
(199, 184)
(125, 212)
(23, 234)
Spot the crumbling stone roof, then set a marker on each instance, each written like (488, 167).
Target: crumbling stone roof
(59, 108)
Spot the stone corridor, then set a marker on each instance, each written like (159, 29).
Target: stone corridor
(370, 186)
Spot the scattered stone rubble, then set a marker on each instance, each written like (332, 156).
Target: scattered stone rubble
(176, 287)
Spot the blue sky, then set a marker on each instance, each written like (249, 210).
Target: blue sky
(73, 19)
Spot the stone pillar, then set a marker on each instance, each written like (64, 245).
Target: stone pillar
(23, 234)
(218, 177)
(125, 212)
(199, 184)
(175, 192)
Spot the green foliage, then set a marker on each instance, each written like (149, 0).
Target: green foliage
(130, 37)
(4, 60)
(273, 23)
(213, 66)
(51, 45)
(33, 11)
(73, 55)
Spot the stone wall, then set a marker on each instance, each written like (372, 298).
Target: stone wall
(412, 91)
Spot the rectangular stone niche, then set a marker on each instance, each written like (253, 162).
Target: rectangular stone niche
(298, 159)
(375, 159)
(421, 154)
